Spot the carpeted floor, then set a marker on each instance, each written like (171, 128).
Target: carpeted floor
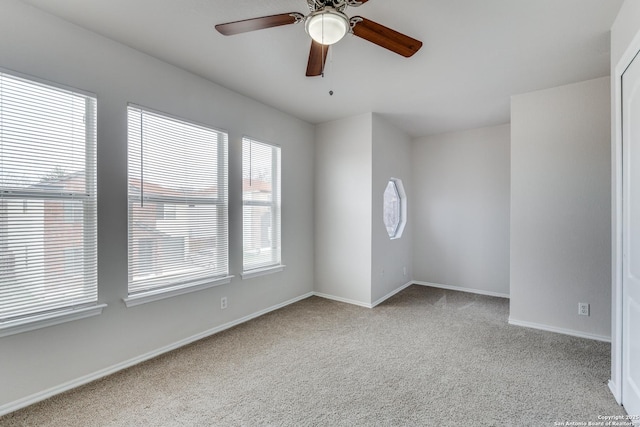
(426, 357)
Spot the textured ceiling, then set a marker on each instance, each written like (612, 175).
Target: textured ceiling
(476, 54)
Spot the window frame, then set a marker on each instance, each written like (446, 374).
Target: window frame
(88, 198)
(402, 206)
(275, 204)
(161, 287)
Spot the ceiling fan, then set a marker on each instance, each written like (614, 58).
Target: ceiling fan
(327, 24)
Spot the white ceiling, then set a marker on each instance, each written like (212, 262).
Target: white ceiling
(476, 54)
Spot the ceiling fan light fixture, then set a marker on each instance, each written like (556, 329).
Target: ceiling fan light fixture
(327, 26)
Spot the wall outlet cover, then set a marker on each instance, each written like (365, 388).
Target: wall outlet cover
(583, 309)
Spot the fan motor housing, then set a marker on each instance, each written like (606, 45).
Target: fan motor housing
(339, 5)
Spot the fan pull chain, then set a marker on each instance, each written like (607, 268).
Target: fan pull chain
(330, 72)
(323, 47)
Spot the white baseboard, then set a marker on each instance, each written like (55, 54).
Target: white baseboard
(360, 303)
(557, 330)
(462, 289)
(37, 397)
(390, 294)
(614, 390)
(340, 299)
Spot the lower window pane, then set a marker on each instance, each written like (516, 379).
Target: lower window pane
(42, 257)
(258, 240)
(179, 246)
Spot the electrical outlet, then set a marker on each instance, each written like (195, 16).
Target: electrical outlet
(583, 309)
(223, 303)
(404, 271)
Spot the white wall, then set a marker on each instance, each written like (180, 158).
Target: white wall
(355, 261)
(343, 173)
(461, 209)
(391, 260)
(50, 359)
(560, 208)
(624, 45)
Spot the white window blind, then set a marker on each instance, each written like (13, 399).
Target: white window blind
(260, 205)
(178, 209)
(48, 244)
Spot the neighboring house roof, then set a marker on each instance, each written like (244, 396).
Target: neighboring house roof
(58, 180)
(256, 185)
(157, 189)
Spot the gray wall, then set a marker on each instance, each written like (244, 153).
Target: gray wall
(560, 208)
(461, 209)
(390, 258)
(49, 359)
(343, 173)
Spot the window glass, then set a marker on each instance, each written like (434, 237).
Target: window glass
(48, 244)
(261, 205)
(177, 202)
(391, 208)
(394, 208)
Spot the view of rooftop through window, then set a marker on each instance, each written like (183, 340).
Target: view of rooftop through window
(44, 126)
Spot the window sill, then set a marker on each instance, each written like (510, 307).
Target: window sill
(44, 320)
(249, 274)
(158, 294)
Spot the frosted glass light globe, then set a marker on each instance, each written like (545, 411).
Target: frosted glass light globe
(327, 26)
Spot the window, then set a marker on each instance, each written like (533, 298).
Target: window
(48, 244)
(260, 205)
(394, 208)
(73, 261)
(164, 211)
(178, 210)
(73, 211)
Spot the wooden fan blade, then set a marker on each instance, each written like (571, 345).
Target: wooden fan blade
(317, 59)
(385, 37)
(237, 27)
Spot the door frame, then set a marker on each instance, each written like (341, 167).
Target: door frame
(633, 50)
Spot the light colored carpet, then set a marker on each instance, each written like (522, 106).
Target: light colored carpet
(426, 357)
